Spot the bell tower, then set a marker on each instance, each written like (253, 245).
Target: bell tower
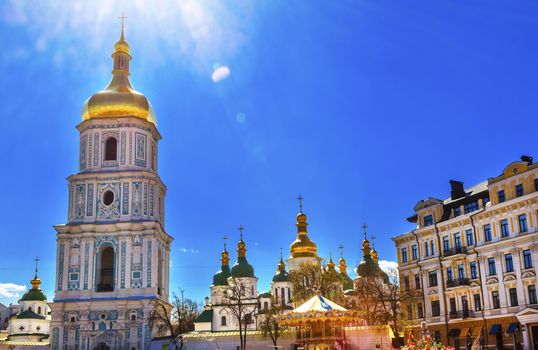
(113, 254)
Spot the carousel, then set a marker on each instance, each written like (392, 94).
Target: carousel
(320, 324)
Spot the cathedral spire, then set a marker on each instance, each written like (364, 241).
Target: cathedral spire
(36, 282)
(225, 256)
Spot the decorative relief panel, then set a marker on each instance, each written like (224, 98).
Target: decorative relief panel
(83, 151)
(123, 252)
(89, 203)
(125, 199)
(151, 199)
(55, 343)
(130, 147)
(100, 240)
(96, 149)
(148, 266)
(60, 266)
(73, 280)
(90, 148)
(140, 149)
(136, 210)
(122, 147)
(112, 211)
(80, 201)
(145, 205)
(86, 263)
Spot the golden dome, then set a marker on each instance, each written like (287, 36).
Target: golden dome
(374, 255)
(342, 265)
(303, 246)
(330, 264)
(119, 98)
(225, 257)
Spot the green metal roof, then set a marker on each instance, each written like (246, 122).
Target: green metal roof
(221, 277)
(205, 316)
(281, 276)
(34, 295)
(368, 268)
(347, 282)
(242, 268)
(30, 314)
(264, 295)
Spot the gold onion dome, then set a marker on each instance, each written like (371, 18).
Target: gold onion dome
(221, 277)
(242, 268)
(281, 275)
(375, 256)
(331, 265)
(303, 246)
(119, 98)
(34, 294)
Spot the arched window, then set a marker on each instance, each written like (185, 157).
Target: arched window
(111, 149)
(39, 310)
(223, 321)
(282, 296)
(72, 319)
(105, 271)
(133, 317)
(30, 309)
(265, 305)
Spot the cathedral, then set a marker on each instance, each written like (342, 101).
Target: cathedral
(113, 253)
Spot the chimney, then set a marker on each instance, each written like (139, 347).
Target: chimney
(526, 159)
(456, 189)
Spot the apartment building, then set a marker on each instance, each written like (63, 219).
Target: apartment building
(472, 261)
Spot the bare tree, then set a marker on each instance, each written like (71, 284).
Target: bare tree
(366, 300)
(174, 318)
(241, 304)
(269, 324)
(310, 280)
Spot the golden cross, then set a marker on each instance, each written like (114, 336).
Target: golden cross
(300, 198)
(280, 253)
(36, 264)
(225, 238)
(373, 237)
(241, 228)
(122, 17)
(341, 250)
(364, 227)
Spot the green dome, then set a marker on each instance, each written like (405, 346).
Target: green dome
(368, 268)
(221, 277)
(347, 282)
(34, 295)
(242, 268)
(281, 276)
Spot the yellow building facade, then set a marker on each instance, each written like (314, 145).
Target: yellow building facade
(472, 260)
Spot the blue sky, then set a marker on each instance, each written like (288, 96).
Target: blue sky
(363, 107)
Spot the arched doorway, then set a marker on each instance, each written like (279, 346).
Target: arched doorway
(105, 270)
(102, 346)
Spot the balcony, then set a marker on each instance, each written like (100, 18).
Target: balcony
(458, 282)
(455, 251)
(461, 314)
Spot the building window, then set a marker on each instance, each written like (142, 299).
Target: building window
(519, 190)
(495, 299)
(432, 278)
(420, 310)
(39, 310)
(446, 244)
(487, 232)
(522, 223)
(491, 266)
(477, 302)
(452, 305)
(436, 309)
(223, 321)
(457, 240)
(474, 270)
(409, 312)
(449, 274)
(504, 228)
(509, 262)
(428, 220)
(527, 259)
(457, 211)
(111, 149)
(461, 272)
(501, 196)
(417, 282)
(536, 184)
(105, 270)
(406, 283)
(432, 246)
(532, 294)
(414, 251)
(404, 255)
(513, 296)
(470, 236)
(427, 249)
(470, 207)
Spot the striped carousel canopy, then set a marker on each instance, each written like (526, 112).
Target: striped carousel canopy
(318, 303)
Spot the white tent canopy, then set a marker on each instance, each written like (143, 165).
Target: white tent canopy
(318, 303)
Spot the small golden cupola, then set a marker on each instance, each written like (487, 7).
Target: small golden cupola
(331, 265)
(119, 98)
(342, 262)
(302, 246)
(373, 252)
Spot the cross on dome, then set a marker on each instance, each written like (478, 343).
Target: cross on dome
(241, 228)
(300, 199)
(122, 17)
